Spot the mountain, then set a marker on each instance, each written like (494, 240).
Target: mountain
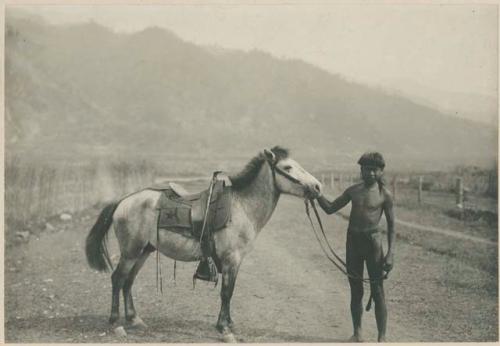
(472, 106)
(85, 90)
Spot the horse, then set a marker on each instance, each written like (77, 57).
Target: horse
(255, 194)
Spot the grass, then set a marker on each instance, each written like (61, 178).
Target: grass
(35, 192)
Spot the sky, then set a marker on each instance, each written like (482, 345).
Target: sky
(451, 48)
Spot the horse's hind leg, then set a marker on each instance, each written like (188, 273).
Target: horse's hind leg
(133, 220)
(118, 278)
(130, 313)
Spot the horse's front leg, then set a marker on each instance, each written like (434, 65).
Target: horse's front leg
(229, 274)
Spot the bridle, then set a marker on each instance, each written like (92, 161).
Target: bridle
(275, 169)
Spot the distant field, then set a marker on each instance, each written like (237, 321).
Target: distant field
(37, 190)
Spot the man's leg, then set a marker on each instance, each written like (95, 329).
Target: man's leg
(355, 265)
(374, 264)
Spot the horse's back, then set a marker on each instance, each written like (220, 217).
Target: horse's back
(138, 202)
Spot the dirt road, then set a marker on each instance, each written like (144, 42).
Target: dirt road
(286, 292)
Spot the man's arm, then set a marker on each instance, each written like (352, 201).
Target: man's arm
(391, 234)
(332, 207)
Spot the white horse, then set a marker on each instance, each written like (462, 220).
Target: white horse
(256, 191)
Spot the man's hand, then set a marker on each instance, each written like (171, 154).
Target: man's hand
(388, 262)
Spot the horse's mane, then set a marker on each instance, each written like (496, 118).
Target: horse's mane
(252, 168)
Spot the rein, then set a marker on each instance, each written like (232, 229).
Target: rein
(342, 266)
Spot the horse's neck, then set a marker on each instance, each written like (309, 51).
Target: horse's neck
(259, 198)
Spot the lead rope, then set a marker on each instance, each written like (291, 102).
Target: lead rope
(321, 244)
(343, 269)
(324, 235)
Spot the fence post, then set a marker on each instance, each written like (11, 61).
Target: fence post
(420, 179)
(394, 188)
(459, 192)
(492, 189)
(332, 180)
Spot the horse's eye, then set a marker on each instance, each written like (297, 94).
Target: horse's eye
(287, 168)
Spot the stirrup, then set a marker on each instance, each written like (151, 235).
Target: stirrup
(206, 271)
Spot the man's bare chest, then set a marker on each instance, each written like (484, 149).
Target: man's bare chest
(368, 200)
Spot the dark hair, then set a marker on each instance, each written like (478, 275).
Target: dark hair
(372, 159)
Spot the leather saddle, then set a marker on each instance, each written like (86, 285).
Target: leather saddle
(184, 212)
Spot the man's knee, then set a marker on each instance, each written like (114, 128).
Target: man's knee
(377, 291)
(356, 289)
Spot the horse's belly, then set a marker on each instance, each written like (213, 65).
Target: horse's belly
(178, 246)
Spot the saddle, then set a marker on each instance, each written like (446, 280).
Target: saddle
(185, 213)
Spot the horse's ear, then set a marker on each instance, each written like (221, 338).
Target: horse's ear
(270, 156)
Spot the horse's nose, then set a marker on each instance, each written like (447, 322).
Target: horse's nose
(317, 188)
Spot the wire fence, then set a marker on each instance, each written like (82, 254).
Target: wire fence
(443, 190)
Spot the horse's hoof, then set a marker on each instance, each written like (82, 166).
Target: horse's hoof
(229, 338)
(137, 323)
(120, 331)
(356, 338)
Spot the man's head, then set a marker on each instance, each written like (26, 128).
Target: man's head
(372, 167)
(372, 159)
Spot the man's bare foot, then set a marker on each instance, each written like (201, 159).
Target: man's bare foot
(356, 338)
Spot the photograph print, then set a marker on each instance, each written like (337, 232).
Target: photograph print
(251, 172)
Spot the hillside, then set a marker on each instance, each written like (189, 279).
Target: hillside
(85, 90)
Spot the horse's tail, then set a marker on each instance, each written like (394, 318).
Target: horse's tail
(95, 245)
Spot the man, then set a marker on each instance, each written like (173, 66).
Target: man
(364, 241)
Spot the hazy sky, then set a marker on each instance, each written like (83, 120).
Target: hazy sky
(444, 47)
